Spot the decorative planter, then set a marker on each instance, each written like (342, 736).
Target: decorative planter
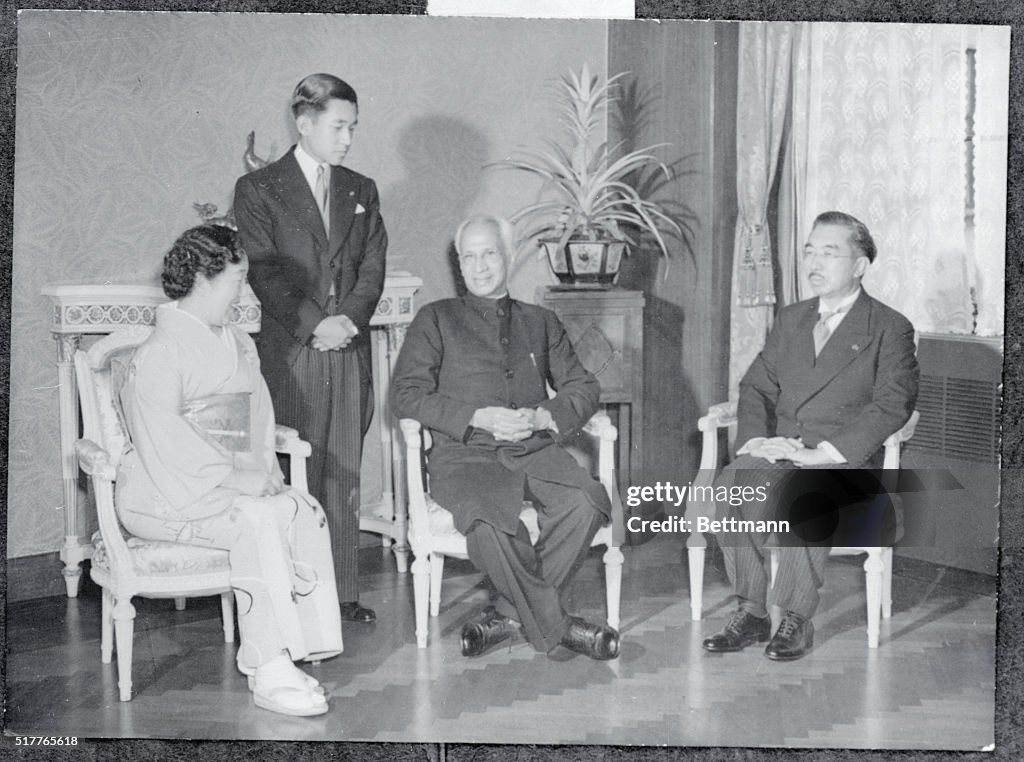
(585, 262)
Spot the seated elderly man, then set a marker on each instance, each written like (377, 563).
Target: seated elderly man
(475, 371)
(836, 376)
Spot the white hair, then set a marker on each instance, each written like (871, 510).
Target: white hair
(506, 237)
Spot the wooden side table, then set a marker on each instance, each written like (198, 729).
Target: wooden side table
(606, 327)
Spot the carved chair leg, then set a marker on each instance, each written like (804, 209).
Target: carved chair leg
(873, 568)
(613, 560)
(124, 628)
(436, 575)
(695, 549)
(886, 583)
(107, 627)
(421, 595)
(227, 613)
(401, 557)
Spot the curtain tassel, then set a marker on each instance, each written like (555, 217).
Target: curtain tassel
(747, 286)
(765, 280)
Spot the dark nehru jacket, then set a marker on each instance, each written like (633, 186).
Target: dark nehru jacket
(473, 352)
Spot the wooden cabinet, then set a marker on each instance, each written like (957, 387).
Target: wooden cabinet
(606, 326)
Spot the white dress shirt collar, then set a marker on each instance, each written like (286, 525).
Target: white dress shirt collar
(308, 166)
(841, 307)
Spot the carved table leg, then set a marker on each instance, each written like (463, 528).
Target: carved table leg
(73, 551)
(395, 336)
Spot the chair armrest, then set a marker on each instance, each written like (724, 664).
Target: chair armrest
(411, 432)
(94, 460)
(416, 438)
(600, 427)
(287, 441)
(605, 433)
(719, 416)
(906, 433)
(896, 439)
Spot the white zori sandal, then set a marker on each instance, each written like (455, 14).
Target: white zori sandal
(279, 686)
(297, 677)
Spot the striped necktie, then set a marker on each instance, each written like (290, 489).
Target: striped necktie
(323, 197)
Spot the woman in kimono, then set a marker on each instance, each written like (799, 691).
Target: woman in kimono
(202, 470)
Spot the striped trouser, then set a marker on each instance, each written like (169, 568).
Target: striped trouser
(801, 566)
(327, 398)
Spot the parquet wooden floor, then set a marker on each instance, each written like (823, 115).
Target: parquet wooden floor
(930, 685)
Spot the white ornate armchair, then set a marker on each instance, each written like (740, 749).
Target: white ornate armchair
(432, 533)
(877, 566)
(125, 566)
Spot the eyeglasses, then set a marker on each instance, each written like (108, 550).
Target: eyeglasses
(827, 255)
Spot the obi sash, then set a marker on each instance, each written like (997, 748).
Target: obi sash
(221, 418)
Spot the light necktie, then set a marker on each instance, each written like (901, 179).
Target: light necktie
(322, 192)
(822, 331)
(323, 199)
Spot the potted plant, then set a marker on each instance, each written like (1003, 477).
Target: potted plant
(587, 203)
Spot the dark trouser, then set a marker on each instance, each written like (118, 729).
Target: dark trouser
(801, 567)
(531, 579)
(327, 398)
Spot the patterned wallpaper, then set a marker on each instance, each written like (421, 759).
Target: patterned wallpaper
(125, 119)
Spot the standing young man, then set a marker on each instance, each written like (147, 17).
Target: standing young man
(316, 244)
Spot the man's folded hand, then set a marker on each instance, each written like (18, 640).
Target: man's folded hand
(334, 332)
(773, 449)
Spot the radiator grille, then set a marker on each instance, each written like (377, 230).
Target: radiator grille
(959, 418)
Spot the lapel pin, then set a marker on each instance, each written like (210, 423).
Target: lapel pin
(351, 193)
(855, 347)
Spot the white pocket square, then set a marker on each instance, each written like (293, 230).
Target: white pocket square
(360, 208)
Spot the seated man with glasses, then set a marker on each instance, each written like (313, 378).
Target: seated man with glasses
(837, 375)
(476, 370)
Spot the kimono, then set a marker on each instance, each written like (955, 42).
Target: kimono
(196, 407)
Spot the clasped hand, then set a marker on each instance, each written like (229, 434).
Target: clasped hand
(334, 332)
(774, 449)
(507, 425)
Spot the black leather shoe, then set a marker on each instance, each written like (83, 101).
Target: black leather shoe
(486, 630)
(598, 641)
(351, 611)
(792, 640)
(744, 629)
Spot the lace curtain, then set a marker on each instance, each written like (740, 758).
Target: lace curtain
(877, 127)
(885, 142)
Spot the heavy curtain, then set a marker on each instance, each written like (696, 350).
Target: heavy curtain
(762, 102)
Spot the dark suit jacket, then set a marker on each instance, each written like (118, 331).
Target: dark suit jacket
(858, 391)
(292, 264)
(454, 361)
